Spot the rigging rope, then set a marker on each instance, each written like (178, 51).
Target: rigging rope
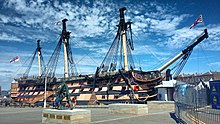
(73, 69)
(181, 64)
(25, 75)
(206, 56)
(111, 59)
(52, 63)
(131, 61)
(110, 54)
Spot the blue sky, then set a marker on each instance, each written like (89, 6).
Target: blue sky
(160, 27)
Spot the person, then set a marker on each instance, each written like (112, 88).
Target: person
(57, 102)
(74, 102)
(159, 96)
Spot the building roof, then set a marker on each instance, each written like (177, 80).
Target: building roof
(196, 78)
(167, 84)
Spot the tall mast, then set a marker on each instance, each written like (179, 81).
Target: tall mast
(65, 36)
(39, 57)
(123, 27)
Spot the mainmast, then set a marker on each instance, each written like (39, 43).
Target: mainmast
(65, 37)
(123, 27)
(39, 57)
(122, 42)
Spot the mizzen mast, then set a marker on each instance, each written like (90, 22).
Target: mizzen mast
(40, 60)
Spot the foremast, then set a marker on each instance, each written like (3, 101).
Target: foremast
(39, 57)
(123, 28)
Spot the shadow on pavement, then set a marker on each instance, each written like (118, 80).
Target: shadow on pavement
(174, 117)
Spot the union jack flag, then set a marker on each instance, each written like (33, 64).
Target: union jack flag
(57, 22)
(15, 59)
(198, 20)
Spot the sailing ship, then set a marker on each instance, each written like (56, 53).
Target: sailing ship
(109, 84)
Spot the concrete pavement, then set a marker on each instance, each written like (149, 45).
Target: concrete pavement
(11, 115)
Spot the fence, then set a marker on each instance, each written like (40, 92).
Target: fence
(192, 104)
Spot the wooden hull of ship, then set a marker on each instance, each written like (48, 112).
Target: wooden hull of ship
(85, 91)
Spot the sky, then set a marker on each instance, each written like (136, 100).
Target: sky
(160, 31)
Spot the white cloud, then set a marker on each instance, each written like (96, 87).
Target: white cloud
(83, 20)
(180, 38)
(214, 64)
(95, 20)
(8, 37)
(213, 42)
(4, 18)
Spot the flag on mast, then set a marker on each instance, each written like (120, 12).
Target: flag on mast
(15, 59)
(57, 22)
(198, 20)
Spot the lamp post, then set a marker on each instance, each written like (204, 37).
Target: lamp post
(45, 92)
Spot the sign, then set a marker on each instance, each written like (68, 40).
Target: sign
(215, 94)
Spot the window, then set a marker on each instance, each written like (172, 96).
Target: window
(81, 89)
(103, 96)
(100, 88)
(116, 96)
(73, 90)
(123, 88)
(91, 89)
(110, 88)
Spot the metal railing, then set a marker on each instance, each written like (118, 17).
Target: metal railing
(192, 105)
